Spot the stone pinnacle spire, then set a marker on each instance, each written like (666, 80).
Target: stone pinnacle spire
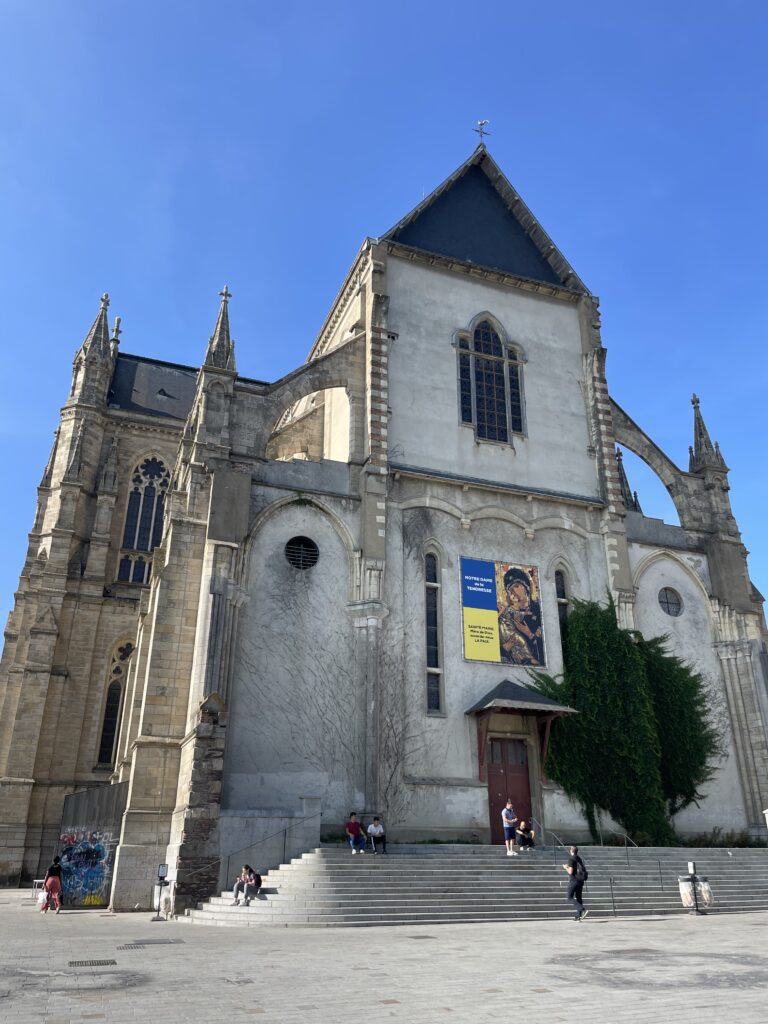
(221, 348)
(703, 454)
(97, 341)
(630, 500)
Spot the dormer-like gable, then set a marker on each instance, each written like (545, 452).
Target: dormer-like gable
(477, 217)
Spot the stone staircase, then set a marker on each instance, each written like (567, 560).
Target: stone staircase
(423, 884)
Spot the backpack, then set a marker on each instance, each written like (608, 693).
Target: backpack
(580, 874)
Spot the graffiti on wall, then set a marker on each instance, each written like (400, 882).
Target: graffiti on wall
(87, 859)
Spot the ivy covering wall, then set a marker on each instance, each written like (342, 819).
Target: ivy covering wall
(642, 744)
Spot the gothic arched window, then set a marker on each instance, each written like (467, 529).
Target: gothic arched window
(562, 605)
(143, 519)
(433, 639)
(490, 384)
(110, 725)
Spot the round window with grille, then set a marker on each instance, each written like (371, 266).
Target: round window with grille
(670, 601)
(301, 552)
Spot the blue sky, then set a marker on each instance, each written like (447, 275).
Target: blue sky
(157, 150)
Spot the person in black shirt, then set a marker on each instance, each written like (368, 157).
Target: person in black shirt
(577, 876)
(52, 886)
(525, 836)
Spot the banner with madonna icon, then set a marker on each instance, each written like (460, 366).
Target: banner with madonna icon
(501, 613)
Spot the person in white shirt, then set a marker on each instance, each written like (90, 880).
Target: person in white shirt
(509, 820)
(376, 835)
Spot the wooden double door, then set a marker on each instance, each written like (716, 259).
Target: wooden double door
(508, 779)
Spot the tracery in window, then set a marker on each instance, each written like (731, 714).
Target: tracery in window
(113, 704)
(433, 644)
(143, 519)
(670, 601)
(490, 384)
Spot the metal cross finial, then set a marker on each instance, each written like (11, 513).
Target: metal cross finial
(481, 129)
(695, 401)
(116, 332)
(225, 293)
(104, 300)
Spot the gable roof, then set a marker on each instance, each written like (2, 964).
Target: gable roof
(513, 696)
(152, 387)
(477, 217)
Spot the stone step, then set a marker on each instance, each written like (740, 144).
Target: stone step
(650, 904)
(330, 921)
(464, 852)
(328, 887)
(594, 900)
(483, 888)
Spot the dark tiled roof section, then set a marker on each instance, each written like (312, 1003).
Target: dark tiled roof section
(471, 222)
(512, 695)
(152, 387)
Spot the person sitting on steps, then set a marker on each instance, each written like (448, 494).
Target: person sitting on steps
(376, 835)
(248, 883)
(525, 836)
(355, 836)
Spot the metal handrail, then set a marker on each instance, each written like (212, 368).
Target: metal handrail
(257, 842)
(542, 830)
(560, 841)
(553, 834)
(625, 837)
(264, 839)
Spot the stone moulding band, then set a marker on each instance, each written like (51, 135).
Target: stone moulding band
(490, 485)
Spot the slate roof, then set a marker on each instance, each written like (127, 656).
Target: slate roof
(477, 217)
(152, 387)
(513, 696)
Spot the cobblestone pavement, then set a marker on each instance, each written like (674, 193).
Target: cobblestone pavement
(558, 971)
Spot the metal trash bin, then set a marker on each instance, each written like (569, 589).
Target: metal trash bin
(685, 883)
(704, 891)
(695, 892)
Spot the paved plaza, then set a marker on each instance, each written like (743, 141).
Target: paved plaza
(674, 968)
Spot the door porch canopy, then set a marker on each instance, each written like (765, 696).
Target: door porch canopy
(512, 698)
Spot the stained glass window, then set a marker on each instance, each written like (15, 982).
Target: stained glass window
(432, 624)
(113, 704)
(490, 385)
(143, 519)
(562, 605)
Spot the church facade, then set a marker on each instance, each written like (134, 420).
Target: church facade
(268, 603)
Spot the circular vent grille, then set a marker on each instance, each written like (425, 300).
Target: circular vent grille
(302, 552)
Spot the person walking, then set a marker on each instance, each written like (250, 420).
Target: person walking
(52, 886)
(577, 876)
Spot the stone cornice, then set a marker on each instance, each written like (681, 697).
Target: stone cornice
(550, 291)
(420, 473)
(171, 428)
(339, 306)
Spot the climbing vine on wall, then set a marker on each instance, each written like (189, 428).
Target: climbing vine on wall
(640, 746)
(690, 743)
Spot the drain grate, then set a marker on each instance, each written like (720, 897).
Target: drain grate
(422, 936)
(93, 963)
(130, 945)
(159, 942)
